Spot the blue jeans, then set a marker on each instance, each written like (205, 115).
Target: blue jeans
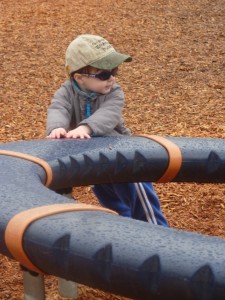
(135, 200)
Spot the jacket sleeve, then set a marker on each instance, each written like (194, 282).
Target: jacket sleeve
(59, 113)
(108, 115)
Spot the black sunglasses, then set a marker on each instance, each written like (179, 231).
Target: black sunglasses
(104, 75)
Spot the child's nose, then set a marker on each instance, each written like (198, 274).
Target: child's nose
(111, 77)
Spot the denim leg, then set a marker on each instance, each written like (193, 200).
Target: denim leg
(109, 199)
(135, 200)
(146, 199)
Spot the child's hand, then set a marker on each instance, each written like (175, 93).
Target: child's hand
(57, 133)
(81, 132)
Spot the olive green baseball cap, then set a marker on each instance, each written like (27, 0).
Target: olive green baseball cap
(95, 51)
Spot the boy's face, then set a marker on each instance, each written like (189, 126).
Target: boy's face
(88, 83)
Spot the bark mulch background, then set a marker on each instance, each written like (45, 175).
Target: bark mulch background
(174, 86)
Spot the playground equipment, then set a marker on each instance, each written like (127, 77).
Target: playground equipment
(48, 233)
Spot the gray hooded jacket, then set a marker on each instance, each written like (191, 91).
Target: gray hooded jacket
(68, 110)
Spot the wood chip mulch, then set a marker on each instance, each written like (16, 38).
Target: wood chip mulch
(174, 86)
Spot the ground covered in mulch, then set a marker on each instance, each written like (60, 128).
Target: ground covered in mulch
(174, 86)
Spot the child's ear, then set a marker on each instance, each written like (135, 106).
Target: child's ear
(77, 77)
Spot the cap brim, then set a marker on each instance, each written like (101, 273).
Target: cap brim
(111, 61)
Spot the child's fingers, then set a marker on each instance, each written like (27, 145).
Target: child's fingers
(51, 136)
(57, 133)
(77, 135)
(85, 136)
(61, 134)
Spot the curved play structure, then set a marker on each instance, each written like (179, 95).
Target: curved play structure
(51, 234)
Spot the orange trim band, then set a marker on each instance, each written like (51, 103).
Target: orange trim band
(19, 223)
(175, 157)
(34, 159)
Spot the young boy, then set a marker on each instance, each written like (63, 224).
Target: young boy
(89, 104)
